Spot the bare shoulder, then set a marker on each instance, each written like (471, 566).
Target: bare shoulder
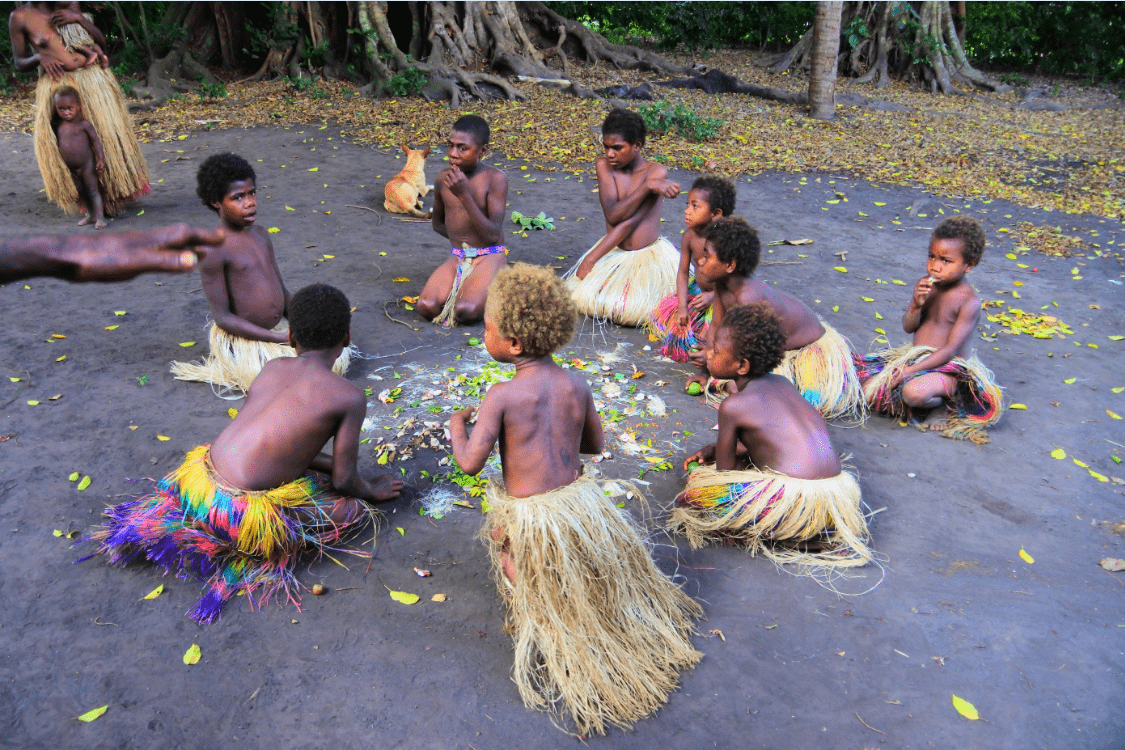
(655, 170)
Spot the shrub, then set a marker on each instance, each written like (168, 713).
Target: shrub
(407, 83)
(661, 117)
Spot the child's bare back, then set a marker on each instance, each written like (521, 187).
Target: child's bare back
(798, 322)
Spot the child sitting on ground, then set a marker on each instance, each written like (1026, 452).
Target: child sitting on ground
(243, 285)
(600, 632)
(818, 359)
(680, 320)
(776, 475)
(939, 368)
(82, 153)
(626, 274)
(237, 512)
(469, 200)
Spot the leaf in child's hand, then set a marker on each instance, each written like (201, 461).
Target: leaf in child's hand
(93, 713)
(1026, 557)
(186, 344)
(191, 656)
(841, 269)
(273, 230)
(84, 483)
(966, 709)
(154, 593)
(400, 280)
(1018, 407)
(1058, 453)
(403, 597)
(73, 477)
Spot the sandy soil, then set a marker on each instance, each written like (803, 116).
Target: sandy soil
(1036, 647)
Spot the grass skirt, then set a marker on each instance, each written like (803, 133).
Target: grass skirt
(446, 318)
(235, 540)
(600, 633)
(825, 374)
(234, 362)
(626, 285)
(662, 325)
(103, 104)
(977, 404)
(751, 508)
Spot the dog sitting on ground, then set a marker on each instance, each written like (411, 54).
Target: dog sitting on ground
(406, 189)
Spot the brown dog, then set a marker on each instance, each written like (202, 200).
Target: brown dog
(406, 189)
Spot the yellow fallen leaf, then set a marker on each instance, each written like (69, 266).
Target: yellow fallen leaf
(898, 282)
(1115, 416)
(84, 483)
(112, 328)
(1115, 390)
(1116, 338)
(232, 412)
(1097, 476)
(14, 380)
(1058, 453)
(154, 593)
(868, 299)
(878, 316)
(880, 330)
(403, 597)
(841, 269)
(1010, 256)
(93, 713)
(33, 403)
(1018, 407)
(315, 169)
(1070, 381)
(73, 477)
(58, 336)
(879, 203)
(1079, 463)
(56, 532)
(966, 709)
(163, 438)
(401, 531)
(290, 208)
(1026, 557)
(191, 656)
(400, 280)
(273, 230)
(438, 598)
(329, 256)
(186, 344)
(60, 359)
(119, 313)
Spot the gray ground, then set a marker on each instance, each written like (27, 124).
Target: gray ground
(1037, 648)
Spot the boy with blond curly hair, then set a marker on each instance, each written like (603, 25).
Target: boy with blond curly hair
(574, 569)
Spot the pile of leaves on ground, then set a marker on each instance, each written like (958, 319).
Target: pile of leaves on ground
(1071, 160)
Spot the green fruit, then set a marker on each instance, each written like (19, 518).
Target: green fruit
(474, 342)
(693, 466)
(694, 389)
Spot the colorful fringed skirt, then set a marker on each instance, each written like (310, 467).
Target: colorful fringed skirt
(977, 404)
(103, 104)
(754, 508)
(600, 632)
(234, 362)
(662, 325)
(626, 285)
(239, 542)
(825, 374)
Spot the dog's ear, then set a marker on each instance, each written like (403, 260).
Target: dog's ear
(426, 152)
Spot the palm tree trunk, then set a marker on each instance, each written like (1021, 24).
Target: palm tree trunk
(826, 46)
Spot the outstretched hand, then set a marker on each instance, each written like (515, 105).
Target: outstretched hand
(705, 455)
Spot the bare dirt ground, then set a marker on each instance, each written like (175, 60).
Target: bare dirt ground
(1036, 647)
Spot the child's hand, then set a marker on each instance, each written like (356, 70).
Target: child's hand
(455, 181)
(705, 455)
(682, 316)
(922, 290)
(585, 267)
(667, 188)
(701, 301)
(465, 415)
(99, 166)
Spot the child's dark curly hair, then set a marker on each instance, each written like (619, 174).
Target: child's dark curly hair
(720, 192)
(68, 92)
(475, 126)
(969, 231)
(735, 240)
(627, 124)
(320, 317)
(217, 173)
(756, 336)
(532, 304)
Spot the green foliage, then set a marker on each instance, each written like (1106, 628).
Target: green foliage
(217, 90)
(1057, 37)
(1015, 79)
(855, 32)
(661, 117)
(279, 33)
(533, 222)
(127, 85)
(407, 83)
(313, 57)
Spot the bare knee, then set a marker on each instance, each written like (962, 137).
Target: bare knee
(429, 308)
(468, 311)
(918, 393)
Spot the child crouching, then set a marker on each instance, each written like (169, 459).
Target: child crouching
(776, 475)
(600, 632)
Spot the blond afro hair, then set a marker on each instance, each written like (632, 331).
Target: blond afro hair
(533, 305)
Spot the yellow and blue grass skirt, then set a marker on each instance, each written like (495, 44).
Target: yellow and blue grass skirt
(757, 509)
(677, 342)
(239, 542)
(977, 404)
(601, 633)
(624, 286)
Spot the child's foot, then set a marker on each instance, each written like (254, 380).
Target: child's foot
(101, 223)
(86, 220)
(509, 567)
(386, 488)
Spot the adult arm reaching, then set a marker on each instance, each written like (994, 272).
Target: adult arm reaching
(117, 256)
